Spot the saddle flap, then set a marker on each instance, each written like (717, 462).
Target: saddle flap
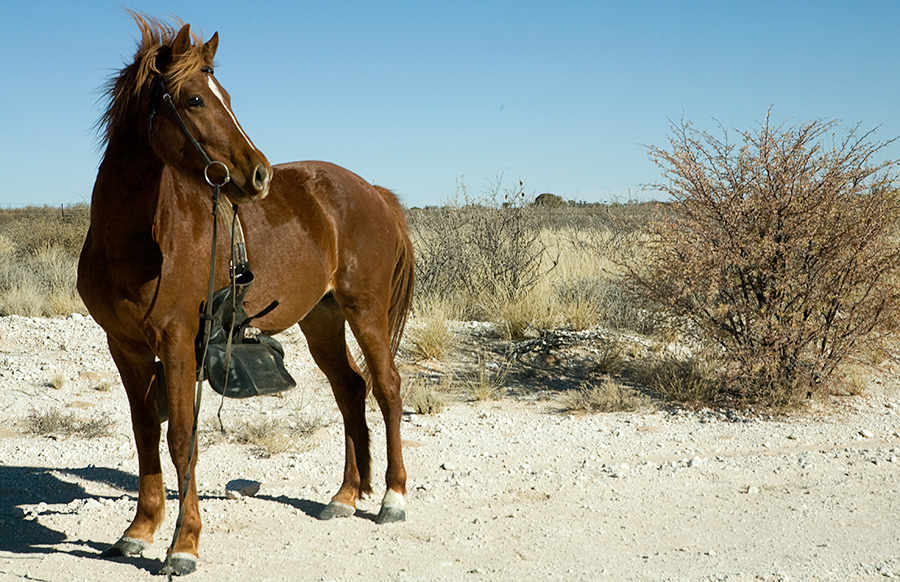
(256, 368)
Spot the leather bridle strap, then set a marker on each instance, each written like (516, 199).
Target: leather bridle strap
(207, 316)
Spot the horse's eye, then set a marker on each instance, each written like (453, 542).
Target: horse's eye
(195, 101)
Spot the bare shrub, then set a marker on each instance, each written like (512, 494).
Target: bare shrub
(778, 252)
(478, 251)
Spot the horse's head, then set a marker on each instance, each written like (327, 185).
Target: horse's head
(190, 109)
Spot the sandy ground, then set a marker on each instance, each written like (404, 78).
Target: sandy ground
(509, 489)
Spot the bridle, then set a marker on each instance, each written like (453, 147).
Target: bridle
(239, 264)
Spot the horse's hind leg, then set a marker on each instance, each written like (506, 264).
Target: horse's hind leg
(370, 327)
(324, 331)
(137, 368)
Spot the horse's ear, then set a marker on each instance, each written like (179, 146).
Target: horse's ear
(182, 41)
(210, 48)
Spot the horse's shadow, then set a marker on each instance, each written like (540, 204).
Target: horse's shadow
(20, 533)
(21, 486)
(312, 508)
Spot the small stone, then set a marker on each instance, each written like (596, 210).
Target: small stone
(866, 434)
(242, 488)
(695, 462)
(752, 490)
(448, 466)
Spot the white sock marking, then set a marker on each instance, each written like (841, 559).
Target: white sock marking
(393, 499)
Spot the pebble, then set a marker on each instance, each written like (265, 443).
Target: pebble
(238, 488)
(866, 434)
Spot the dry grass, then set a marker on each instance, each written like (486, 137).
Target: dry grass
(53, 422)
(274, 436)
(423, 397)
(486, 382)
(430, 331)
(58, 380)
(691, 381)
(39, 249)
(605, 396)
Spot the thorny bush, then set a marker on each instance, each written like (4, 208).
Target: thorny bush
(780, 252)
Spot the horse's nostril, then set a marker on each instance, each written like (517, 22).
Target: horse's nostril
(260, 177)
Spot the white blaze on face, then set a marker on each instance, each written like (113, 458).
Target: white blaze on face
(214, 87)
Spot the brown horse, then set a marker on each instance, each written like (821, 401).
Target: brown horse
(328, 246)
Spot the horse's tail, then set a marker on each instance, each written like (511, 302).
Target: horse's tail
(403, 279)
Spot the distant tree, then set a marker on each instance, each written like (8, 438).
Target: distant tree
(549, 200)
(779, 252)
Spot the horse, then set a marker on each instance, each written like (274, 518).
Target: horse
(329, 247)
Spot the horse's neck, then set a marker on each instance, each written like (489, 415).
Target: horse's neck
(126, 192)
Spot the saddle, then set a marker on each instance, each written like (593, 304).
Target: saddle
(237, 365)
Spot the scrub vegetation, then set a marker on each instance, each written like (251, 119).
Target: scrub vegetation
(768, 277)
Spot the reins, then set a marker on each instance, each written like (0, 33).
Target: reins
(207, 316)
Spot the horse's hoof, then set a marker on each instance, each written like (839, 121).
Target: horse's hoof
(126, 546)
(393, 508)
(179, 564)
(390, 514)
(336, 509)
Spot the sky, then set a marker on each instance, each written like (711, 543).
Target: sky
(423, 96)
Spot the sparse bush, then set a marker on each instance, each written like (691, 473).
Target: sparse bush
(478, 251)
(691, 381)
(272, 436)
(609, 358)
(487, 381)
(58, 380)
(778, 254)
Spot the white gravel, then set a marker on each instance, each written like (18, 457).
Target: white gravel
(502, 490)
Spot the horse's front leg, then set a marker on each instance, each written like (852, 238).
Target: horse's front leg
(137, 369)
(180, 370)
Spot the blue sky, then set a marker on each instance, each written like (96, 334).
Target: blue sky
(415, 96)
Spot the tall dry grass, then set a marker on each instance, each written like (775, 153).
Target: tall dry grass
(526, 267)
(39, 249)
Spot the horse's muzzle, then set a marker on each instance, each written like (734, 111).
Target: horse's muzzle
(253, 187)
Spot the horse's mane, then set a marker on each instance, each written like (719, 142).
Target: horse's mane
(153, 59)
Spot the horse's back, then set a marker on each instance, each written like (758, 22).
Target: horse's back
(322, 228)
